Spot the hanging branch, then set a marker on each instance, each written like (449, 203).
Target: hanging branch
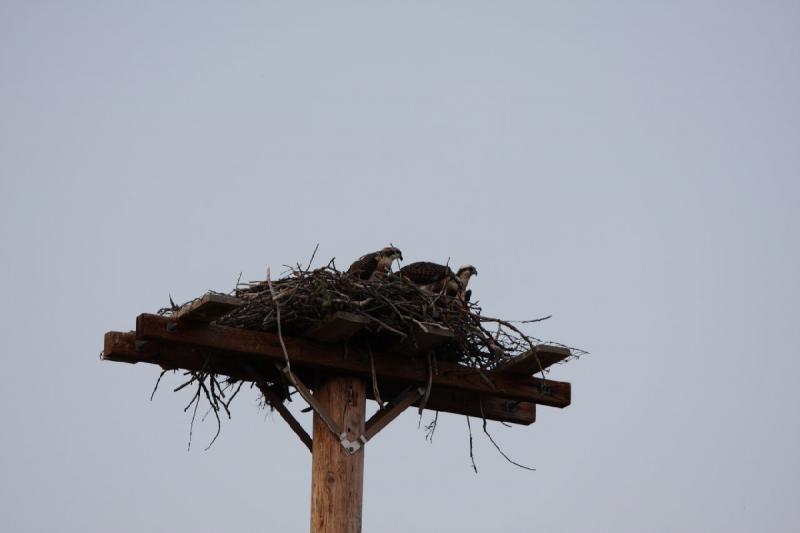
(161, 375)
(428, 385)
(207, 386)
(375, 392)
(430, 429)
(507, 458)
(471, 455)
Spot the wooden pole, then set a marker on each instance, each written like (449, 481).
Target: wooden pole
(337, 477)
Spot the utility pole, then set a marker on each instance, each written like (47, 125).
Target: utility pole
(190, 341)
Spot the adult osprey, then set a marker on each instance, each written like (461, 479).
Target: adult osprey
(435, 277)
(376, 264)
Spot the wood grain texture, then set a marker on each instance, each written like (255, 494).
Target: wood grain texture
(337, 477)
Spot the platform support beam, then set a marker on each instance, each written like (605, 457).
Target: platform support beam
(337, 477)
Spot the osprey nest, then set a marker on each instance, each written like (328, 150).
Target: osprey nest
(397, 310)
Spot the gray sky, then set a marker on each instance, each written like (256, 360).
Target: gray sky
(630, 167)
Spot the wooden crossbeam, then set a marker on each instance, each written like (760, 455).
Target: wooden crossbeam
(287, 416)
(320, 356)
(481, 405)
(277, 403)
(535, 360)
(318, 408)
(208, 308)
(124, 347)
(382, 418)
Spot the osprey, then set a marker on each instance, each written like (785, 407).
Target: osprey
(436, 278)
(375, 264)
(464, 274)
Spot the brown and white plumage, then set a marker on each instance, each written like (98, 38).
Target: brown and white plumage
(437, 278)
(463, 275)
(375, 264)
(429, 276)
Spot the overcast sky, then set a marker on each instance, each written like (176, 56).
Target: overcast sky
(629, 167)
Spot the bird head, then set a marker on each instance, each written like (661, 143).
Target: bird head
(466, 272)
(391, 253)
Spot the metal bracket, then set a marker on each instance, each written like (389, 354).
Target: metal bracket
(393, 409)
(373, 425)
(352, 446)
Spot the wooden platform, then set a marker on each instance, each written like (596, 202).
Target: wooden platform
(207, 308)
(508, 394)
(534, 361)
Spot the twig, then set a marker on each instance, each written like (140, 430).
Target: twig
(278, 313)
(383, 324)
(235, 287)
(161, 375)
(430, 429)
(375, 392)
(312, 258)
(215, 408)
(507, 458)
(429, 384)
(471, 455)
(196, 401)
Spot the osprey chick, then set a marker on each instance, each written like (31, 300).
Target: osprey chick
(429, 276)
(436, 278)
(375, 264)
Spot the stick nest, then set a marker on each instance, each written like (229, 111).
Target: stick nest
(397, 311)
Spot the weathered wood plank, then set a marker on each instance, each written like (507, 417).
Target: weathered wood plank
(319, 410)
(330, 358)
(122, 347)
(208, 308)
(482, 406)
(382, 418)
(277, 404)
(535, 360)
(423, 340)
(338, 327)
